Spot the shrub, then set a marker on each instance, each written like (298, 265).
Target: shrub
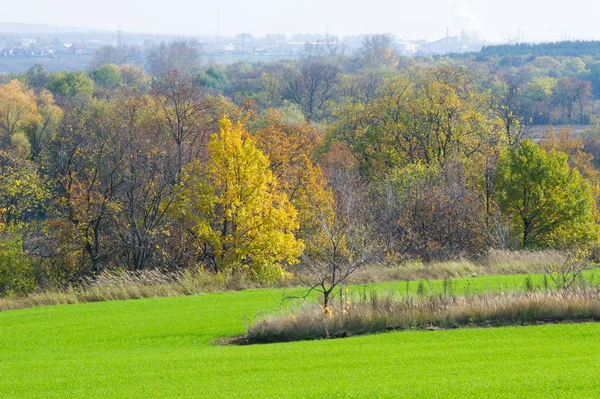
(16, 268)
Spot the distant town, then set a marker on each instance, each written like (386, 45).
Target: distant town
(20, 49)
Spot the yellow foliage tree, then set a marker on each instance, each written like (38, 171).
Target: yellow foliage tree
(240, 219)
(290, 148)
(18, 110)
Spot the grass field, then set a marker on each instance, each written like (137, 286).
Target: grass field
(161, 348)
(63, 62)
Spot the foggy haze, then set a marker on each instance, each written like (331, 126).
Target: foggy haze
(493, 20)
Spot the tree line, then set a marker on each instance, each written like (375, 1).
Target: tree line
(324, 164)
(576, 48)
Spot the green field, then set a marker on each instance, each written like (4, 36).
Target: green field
(63, 62)
(161, 348)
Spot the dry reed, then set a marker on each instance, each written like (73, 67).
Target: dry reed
(375, 313)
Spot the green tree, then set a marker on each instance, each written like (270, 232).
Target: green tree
(16, 267)
(214, 78)
(107, 76)
(547, 201)
(37, 76)
(70, 84)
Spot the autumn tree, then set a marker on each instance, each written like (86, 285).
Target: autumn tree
(363, 86)
(22, 189)
(134, 77)
(85, 164)
(430, 212)
(291, 146)
(441, 116)
(149, 172)
(23, 196)
(18, 111)
(240, 220)
(564, 140)
(546, 199)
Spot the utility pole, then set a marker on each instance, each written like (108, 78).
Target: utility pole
(218, 25)
(120, 37)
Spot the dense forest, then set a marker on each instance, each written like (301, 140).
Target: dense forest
(333, 159)
(578, 48)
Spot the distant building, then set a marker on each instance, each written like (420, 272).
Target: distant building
(407, 48)
(26, 43)
(453, 44)
(274, 38)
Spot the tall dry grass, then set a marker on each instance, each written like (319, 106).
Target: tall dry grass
(153, 283)
(136, 285)
(494, 263)
(383, 313)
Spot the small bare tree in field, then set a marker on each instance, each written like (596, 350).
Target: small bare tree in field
(346, 238)
(565, 271)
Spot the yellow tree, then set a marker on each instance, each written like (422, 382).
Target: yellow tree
(291, 147)
(240, 219)
(18, 110)
(564, 141)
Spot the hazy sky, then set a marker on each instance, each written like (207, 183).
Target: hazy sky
(495, 19)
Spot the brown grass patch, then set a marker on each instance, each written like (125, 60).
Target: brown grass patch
(375, 313)
(194, 281)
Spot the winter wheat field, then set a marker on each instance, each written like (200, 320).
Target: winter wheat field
(166, 347)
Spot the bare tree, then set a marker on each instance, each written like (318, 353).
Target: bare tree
(346, 240)
(183, 116)
(113, 55)
(379, 51)
(311, 86)
(430, 212)
(150, 186)
(174, 56)
(564, 272)
(508, 101)
(330, 47)
(86, 158)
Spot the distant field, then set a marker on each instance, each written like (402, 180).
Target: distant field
(538, 131)
(161, 348)
(60, 63)
(81, 62)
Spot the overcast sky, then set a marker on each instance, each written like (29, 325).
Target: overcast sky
(414, 19)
